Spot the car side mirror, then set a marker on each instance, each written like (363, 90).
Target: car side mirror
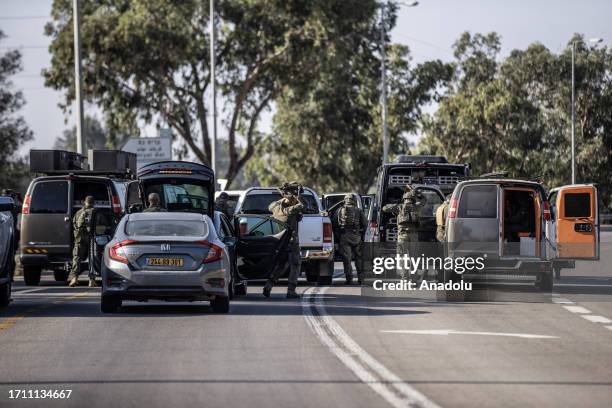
(229, 241)
(135, 208)
(102, 240)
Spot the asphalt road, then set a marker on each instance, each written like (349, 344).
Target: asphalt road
(334, 348)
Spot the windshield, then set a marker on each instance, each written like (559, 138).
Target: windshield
(159, 228)
(179, 196)
(259, 203)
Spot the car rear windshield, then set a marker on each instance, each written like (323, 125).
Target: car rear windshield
(577, 205)
(259, 203)
(99, 192)
(49, 197)
(161, 228)
(478, 202)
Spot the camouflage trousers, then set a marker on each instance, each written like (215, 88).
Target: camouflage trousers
(80, 253)
(293, 257)
(408, 244)
(350, 250)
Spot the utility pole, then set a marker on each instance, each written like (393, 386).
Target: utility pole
(213, 158)
(78, 80)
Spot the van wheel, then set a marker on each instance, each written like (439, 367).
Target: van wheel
(60, 275)
(5, 294)
(545, 282)
(220, 304)
(31, 275)
(110, 304)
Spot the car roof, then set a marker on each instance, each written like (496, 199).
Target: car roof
(177, 216)
(78, 177)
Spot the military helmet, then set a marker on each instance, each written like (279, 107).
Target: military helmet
(292, 187)
(223, 195)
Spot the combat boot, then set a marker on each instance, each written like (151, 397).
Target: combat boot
(92, 283)
(74, 282)
(349, 281)
(291, 294)
(267, 289)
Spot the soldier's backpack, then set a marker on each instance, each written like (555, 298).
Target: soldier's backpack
(407, 215)
(348, 217)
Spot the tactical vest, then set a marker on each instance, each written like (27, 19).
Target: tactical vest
(349, 217)
(407, 216)
(440, 214)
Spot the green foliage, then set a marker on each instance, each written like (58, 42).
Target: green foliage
(327, 130)
(97, 137)
(514, 114)
(13, 129)
(149, 60)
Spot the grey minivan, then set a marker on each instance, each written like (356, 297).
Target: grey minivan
(509, 221)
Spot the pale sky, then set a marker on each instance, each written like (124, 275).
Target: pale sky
(428, 29)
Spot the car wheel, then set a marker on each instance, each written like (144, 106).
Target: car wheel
(5, 294)
(545, 282)
(60, 275)
(31, 275)
(220, 304)
(110, 304)
(240, 289)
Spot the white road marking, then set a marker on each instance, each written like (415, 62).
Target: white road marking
(577, 309)
(562, 301)
(446, 332)
(371, 372)
(14, 291)
(56, 294)
(597, 319)
(608, 327)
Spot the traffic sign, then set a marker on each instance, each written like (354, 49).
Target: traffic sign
(149, 149)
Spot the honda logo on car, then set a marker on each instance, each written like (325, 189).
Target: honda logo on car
(165, 247)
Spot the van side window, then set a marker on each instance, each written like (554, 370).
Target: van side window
(49, 197)
(577, 205)
(99, 192)
(478, 202)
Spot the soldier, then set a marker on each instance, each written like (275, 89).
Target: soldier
(154, 205)
(288, 210)
(82, 224)
(441, 214)
(222, 205)
(351, 222)
(407, 222)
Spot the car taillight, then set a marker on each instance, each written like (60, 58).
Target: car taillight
(116, 205)
(327, 232)
(452, 209)
(212, 254)
(546, 211)
(25, 209)
(116, 251)
(374, 226)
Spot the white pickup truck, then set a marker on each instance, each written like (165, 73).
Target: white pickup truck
(315, 229)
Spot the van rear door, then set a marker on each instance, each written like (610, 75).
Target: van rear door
(574, 227)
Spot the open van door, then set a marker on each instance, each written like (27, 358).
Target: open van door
(261, 244)
(134, 200)
(574, 226)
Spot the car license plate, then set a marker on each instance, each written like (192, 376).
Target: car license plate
(165, 261)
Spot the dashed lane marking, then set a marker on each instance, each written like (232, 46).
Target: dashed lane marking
(577, 309)
(446, 332)
(597, 319)
(369, 370)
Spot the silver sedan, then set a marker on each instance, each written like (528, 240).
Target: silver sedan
(165, 256)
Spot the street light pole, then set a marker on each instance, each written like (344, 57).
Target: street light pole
(78, 80)
(383, 77)
(213, 155)
(573, 115)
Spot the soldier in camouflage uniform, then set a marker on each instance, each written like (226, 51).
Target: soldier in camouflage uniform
(407, 222)
(154, 205)
(222, 205)
(82, 224)
(351, 222)
(288, 210)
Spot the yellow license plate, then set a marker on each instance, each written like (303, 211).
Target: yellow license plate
(165, 261)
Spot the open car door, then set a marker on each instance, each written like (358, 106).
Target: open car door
(574, 226)
(134, 197)
(261, 241)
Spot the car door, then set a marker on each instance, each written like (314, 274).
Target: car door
(134, 200)
(261, 241)
(574, 227)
